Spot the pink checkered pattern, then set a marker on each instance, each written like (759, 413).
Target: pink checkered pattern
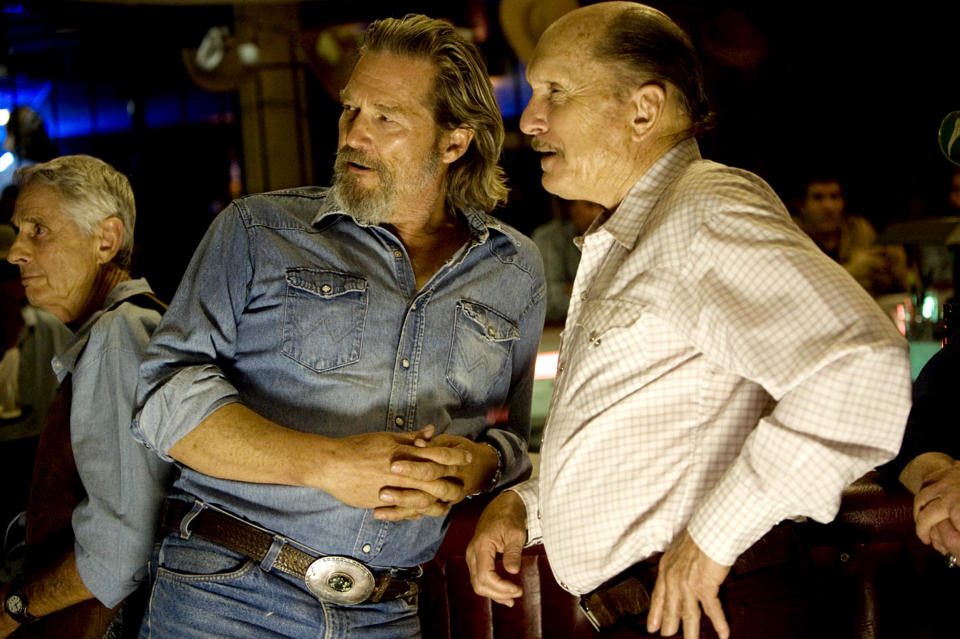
(718, 373)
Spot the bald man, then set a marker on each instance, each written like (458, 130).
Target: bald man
(718, 374)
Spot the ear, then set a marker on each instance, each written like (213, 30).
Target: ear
(648, 106)
(455, 143)
(109, 239)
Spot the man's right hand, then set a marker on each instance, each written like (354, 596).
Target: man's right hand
(502, 529)
(934, 479)
(237, 443)
(430, 465)
(359, 468)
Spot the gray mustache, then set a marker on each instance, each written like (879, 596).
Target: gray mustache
(540, 147)
(346, 155)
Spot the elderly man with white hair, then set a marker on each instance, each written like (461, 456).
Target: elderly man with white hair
(90, 528)
(718, 373)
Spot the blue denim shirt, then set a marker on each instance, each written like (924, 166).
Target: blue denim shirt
(314, 321)
(115, 525)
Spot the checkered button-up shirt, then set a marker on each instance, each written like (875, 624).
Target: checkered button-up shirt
(718, 373)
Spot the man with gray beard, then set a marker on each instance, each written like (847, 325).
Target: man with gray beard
(373, 208)
(338, 364)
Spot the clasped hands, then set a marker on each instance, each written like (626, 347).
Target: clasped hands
(936, 508)
(408, 475)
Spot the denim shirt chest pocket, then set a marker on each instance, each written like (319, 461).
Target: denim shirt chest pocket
(323, 318)
(482, 344)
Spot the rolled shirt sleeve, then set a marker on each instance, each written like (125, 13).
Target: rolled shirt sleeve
(181, 381)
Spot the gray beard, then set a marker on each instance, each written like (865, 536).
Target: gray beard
(372, 206)
(367, 206)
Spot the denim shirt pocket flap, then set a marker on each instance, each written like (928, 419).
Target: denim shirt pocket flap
(323, 318)
(325, 283)
(492, 325)
(479, 353)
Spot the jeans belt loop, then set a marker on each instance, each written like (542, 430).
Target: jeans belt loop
(197, 508)
(268, 559)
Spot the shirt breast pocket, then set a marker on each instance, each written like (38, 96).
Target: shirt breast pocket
(323, 318)
(482, 344)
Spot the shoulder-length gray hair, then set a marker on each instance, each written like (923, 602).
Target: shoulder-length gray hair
(463, 96)
(91, 191)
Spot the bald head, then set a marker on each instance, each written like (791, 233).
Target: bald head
(607, 98)
(583, 25)
(640, 45)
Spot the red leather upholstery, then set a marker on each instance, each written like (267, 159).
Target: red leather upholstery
(873, 572)
(449, 609)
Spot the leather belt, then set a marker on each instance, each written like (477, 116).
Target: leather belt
(340, 580)
(625, 596)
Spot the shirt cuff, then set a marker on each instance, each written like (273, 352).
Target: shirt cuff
(733, 517)
(179, 405)
(106, 586)
(529, 492)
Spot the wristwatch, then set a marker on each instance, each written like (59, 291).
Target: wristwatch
(16, 604)
(496, 474)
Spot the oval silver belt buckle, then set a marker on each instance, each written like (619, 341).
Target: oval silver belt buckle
(339, 580)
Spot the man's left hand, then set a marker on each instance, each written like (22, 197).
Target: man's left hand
(936, 509)
(472, 477)
(687, 579)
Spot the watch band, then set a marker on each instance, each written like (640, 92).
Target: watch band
(495, 479)
(15, 603)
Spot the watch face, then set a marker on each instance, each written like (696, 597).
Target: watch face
(15, 605)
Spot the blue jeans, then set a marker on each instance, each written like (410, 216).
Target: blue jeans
(202, 590)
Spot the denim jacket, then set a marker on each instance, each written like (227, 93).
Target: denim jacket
(314, 321)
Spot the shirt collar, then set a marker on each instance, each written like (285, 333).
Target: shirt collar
(478, 222)
(65, 362)
(626, 221)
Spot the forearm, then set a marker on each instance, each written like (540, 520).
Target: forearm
(236, 443)
(55, 588)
